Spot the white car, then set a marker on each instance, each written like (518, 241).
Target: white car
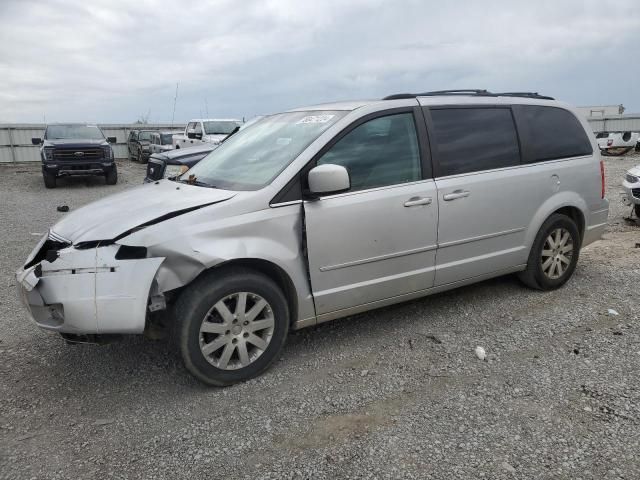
(205, 130)
(631, 185)
(617, 143)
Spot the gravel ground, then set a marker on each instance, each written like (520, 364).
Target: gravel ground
(393, 393)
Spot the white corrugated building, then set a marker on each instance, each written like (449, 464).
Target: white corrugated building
(601, 110)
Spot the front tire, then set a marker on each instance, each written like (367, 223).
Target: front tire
(636, 208)
(49, 180)
(554, 254)
(111, 178)
(230, 325)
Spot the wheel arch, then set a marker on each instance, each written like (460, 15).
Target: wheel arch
(576, 215)
(565, 203)
(270, 270)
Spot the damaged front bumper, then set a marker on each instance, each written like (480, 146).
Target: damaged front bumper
(87, 291)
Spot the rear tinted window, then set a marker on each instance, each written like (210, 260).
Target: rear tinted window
(474, 139)
(552, 133)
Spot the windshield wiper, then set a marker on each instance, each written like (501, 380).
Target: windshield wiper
(197, 183)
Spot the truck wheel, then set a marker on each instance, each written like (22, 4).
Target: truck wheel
(230, 325)
(141, 158)
(111, 177)
(636, 208)
(49, 180)
(554, 254)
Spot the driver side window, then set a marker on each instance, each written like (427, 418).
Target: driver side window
(383, 151)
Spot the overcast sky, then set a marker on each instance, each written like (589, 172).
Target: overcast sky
(114, 61)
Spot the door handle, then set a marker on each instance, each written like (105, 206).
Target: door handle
(414, 201)
(455, 194)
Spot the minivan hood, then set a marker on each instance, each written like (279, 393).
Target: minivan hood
(116, 214)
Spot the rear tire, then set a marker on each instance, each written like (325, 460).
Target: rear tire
(554, 254)
(49, 180)
(111, 178)
(230, 325)
(636, 208)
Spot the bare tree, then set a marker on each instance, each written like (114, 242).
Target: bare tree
(143, 119)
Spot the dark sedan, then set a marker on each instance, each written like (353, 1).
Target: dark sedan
(175, 162)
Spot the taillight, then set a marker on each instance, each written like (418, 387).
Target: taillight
(602, 178)
(609, 142)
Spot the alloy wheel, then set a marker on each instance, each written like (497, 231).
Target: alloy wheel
(236, 330)
(557, 252)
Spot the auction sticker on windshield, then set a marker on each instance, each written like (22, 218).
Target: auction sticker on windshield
(316, 119)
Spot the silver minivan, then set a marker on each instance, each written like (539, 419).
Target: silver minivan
(321, 212)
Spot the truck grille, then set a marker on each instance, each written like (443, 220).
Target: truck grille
(78, 154)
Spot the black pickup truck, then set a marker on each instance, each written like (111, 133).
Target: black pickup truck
(76, 149)
(175, 162)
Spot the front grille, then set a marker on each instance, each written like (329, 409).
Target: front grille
(155, 169)
(631, 178)
(78, 154)
(635, 192)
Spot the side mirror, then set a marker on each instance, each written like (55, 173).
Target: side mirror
(36, 141)
(191, 133)
(328, 178)
(112, 140)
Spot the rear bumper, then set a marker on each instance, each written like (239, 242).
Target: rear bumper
(88, 291)
(597, 223)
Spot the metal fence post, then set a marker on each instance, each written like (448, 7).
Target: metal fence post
(13, 152)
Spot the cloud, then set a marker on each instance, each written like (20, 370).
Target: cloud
(112, 60)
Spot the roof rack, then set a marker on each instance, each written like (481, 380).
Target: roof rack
(468, 92)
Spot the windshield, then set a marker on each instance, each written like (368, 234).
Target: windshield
(80, 132)
(222, 128)
(144, 135)
(166, 138)
(252, 158)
